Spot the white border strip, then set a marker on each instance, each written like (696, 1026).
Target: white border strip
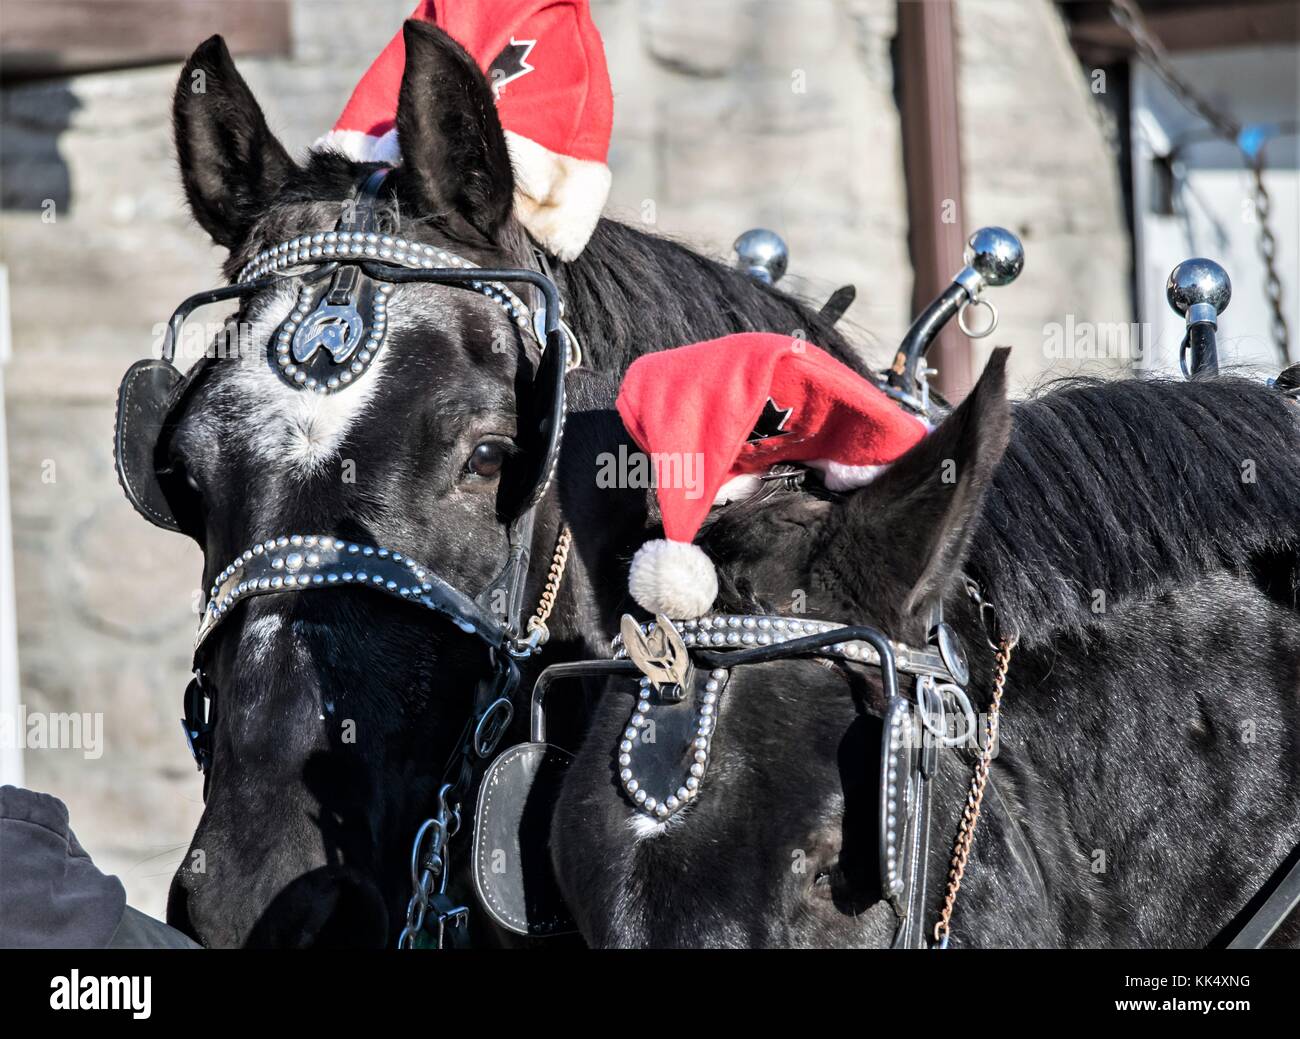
(11, 758)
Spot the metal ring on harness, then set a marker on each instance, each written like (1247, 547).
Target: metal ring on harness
(939, 729)
(435, 856)
(492, 725)
(977, 302)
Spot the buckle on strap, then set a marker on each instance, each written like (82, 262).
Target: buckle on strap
(195, 724)
(444, 910)
(538, 635)
(441, 910)
(492, 725)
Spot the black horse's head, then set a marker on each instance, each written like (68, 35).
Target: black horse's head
(779, 848)
(337, 711)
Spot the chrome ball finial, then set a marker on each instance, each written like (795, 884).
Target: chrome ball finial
(996, 255)
(762, 254)
(1198, 281)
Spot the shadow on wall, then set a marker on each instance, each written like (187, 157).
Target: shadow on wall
(33, 175)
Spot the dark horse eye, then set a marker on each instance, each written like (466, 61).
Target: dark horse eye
(486, 459)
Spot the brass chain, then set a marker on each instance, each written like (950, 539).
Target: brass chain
(1129, 17)
(431, 871)
(971, 815)
(537, 622)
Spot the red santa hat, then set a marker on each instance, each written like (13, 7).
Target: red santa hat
(726, 409)
(546, 63)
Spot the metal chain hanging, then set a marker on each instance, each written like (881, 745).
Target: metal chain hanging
(430, 909)
(1129, 17)
(537, 622)
(970, 816)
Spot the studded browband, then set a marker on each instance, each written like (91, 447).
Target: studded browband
(739, 631)
(323, 246)
(347, 318)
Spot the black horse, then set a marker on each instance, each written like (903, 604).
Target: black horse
(1139, 537)
(336, 713)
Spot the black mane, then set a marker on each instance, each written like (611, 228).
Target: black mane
(629, 292)
(1127, 486)
(630, 288)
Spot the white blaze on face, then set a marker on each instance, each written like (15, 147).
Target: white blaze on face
(260, 637)
(645, 828)
(291, 429)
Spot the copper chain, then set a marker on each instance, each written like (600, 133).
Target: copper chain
(971, 815)
(553, 578)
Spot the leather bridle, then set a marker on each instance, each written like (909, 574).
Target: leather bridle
(339, 273)
(718, 645)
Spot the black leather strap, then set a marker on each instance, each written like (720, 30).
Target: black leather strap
(1277, 908)
(363, 215)
(333, 563)
(840, 301)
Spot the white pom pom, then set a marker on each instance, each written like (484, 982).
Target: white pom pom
(673, 578)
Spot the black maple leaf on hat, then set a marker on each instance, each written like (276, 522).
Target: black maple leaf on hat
(510, 64)
(771, 423)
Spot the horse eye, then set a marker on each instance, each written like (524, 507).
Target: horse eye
(826, 882)
(486, 459)
(177, 466)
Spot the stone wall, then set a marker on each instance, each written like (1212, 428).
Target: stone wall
(1037, 158)
(729, 114)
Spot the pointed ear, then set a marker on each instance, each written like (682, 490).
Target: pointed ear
(454, 157)
(916, 521)
(231, 164)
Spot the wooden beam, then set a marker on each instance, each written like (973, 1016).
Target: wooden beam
(1203, 26)
(62, 37)
(936, 211)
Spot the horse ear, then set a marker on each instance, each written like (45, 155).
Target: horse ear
(918, 518)
(231, 164)
(454, 156)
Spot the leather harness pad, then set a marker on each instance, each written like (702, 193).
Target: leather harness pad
(512, 840)
(663, 745)
(145, 399)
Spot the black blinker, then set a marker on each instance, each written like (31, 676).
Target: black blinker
(145, 399)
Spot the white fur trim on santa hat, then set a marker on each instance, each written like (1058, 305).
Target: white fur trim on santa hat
(557, 197)
(840, 477)
(360, 146)
(674, 578)
(746, 485)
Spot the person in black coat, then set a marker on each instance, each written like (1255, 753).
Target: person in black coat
(52, 896)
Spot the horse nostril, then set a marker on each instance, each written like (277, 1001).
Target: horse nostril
(330, 907)
(178, 909)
